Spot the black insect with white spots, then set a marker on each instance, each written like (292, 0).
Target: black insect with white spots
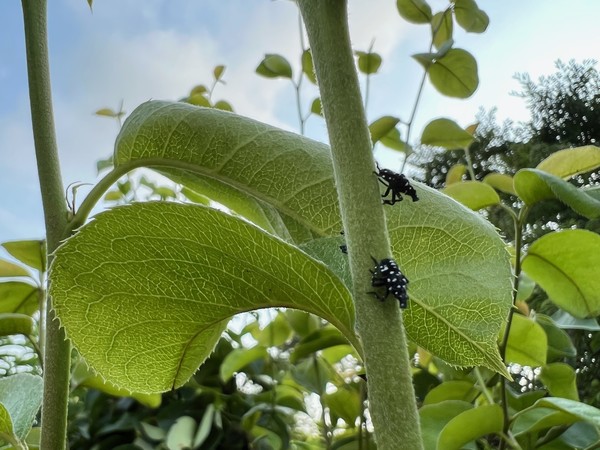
(387, 273)
(397, 184)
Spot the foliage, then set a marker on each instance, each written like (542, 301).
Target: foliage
(144, 291)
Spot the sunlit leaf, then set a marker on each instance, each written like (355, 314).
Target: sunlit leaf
(415, 11)
(316, 107)
(579, 410)
(307, 66)
(455, 174)
(572, 161)
(218, 72)
(454, 74)
(460, 284)
(565, 265)
(559, 378)
(470, 425)
(205, 266)
(392, 140)
(473, 194)
(9, 269)
(223, 105)
(30, 253)
(470, 17)
(382, 126)
(559, 342)
(451, 390)
(436, 416)
(368, 63)
(445, 133)
(84, 377)
(442, 25)
(527, 342)
(14, 323)
(273, 66)
(18, 297)
(199, 100)
(239, 358)
(501, 182)
(534, 185)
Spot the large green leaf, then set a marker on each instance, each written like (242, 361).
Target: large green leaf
(453, 74)
(459, 272)
(158, 282)
(534, 185)
(239, 162)
(565, 265)
(457, 264)
(20, 400)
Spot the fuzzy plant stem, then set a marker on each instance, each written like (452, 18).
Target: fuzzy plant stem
(57, 349)
(379, 324)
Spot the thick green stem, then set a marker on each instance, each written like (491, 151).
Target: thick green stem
(379, 324)
(57, 350)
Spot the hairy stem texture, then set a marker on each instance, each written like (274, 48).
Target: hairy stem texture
(57, 349)
(379, 324)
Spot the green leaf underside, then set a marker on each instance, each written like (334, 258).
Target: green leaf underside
(534, 185)
(239, 153)
(20, 398)
(166, 277)
(445, 133)
(473, 194)
(454, 74)
(455, 174)
(457, 264)
(470, 17)
(442, 25)
(18, 297)
(501, 182)
(415, 11)
(459, 273)
(565, 265)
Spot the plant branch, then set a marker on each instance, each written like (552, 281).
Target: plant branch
(391, 394)
(57, 354)
(518, 221)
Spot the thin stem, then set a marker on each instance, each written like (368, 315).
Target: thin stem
(520, 220)
(469, 163)
(57, 350)
(483, 387)
(298, 84)
(391, 393)
(420, 91)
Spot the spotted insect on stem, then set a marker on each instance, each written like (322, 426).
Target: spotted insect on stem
(386, 273)
(396, 184)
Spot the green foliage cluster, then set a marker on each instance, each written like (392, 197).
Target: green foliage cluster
(144, 291)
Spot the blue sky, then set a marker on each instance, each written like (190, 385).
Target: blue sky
(136, 50)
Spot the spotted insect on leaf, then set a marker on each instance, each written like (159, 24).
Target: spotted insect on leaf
(386, 273)
(396, 184)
